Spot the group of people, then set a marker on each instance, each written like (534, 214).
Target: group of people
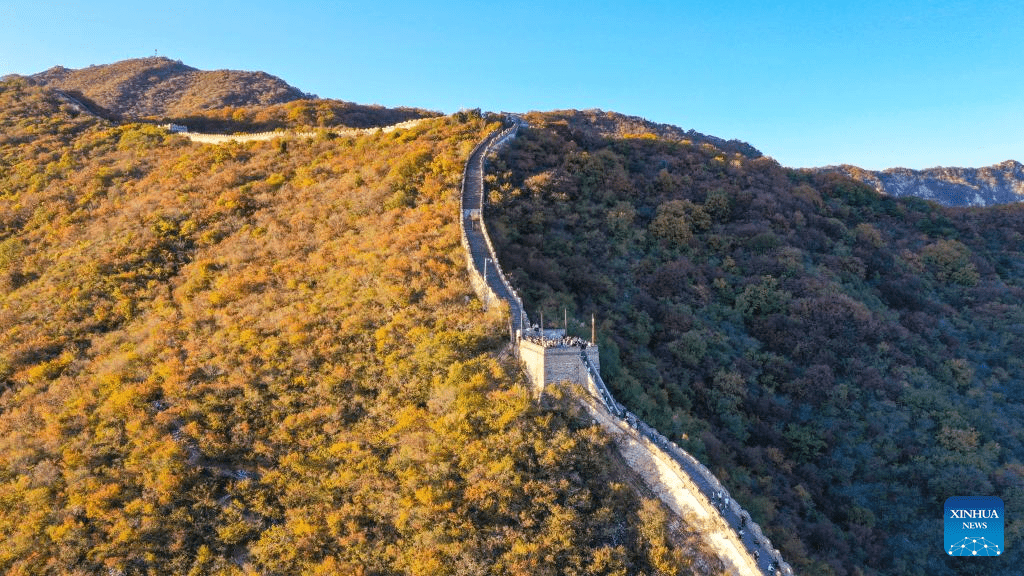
(536, 335)
(721, 501)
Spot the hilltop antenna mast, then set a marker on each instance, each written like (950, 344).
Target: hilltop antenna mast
(593, 332)
(566, 321)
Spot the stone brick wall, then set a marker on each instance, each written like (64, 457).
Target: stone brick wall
(549, 364)
(532, 357)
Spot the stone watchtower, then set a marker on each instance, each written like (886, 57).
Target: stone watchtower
(550, 356)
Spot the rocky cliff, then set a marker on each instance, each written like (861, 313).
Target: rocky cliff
(998, 184)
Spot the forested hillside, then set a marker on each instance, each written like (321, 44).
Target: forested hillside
(842, 360)
(267, 357)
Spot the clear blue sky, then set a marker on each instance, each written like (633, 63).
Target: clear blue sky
(874, 83)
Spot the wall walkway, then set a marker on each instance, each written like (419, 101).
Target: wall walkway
(486, 275)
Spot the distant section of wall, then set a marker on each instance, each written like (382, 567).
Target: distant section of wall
(263, 136)
(256, 137)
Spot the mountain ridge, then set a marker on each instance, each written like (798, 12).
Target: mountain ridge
(159, 86)
(159, 89)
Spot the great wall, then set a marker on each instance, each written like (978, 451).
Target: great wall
(548, 356)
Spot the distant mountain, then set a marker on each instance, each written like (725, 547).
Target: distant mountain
(166, 88)
(998, 184)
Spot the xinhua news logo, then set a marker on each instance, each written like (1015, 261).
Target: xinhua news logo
(974, 526)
